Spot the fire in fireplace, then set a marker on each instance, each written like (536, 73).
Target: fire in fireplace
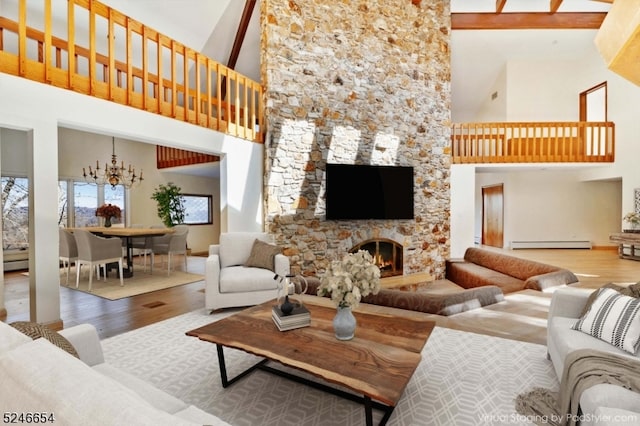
(387, 254)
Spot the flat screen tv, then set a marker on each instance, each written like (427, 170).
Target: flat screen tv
(368, 192)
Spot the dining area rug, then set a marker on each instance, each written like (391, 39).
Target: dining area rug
(141, 282)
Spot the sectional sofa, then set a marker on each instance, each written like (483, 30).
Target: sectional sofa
(439, 304)
(482, 267)
(41, 379)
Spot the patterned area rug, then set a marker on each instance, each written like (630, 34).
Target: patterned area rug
(463, 379)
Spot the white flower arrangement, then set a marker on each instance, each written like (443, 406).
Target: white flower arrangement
(633, 218)
(350, 279)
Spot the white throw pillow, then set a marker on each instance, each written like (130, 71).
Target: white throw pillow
(614, 318)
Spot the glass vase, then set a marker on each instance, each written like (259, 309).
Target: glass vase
(107, 222)
(344, 324)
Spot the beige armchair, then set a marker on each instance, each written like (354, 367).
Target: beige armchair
(97, 251)
(230, 282)
(67, 250)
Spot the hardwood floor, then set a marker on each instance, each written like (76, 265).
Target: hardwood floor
(111, 317)
(521, 317)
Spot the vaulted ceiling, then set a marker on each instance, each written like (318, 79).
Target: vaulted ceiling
(477, 55)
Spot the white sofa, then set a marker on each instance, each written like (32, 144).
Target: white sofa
(228, 283)
(599, 402)
(39, 377)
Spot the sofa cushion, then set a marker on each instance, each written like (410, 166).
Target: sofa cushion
(550, 279)
(37, 376)
(11, 338)
(439, 304)
(154, 396)
(37, 331)
(263, 255)
(235, 247)
(240, 279)
(469, 275)
(614, 318)
(509, 265)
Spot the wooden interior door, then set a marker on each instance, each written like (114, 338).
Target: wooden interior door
(492, 216)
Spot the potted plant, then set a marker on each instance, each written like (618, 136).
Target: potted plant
(170, 204)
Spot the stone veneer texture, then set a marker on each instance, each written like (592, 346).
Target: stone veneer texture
(356, 82)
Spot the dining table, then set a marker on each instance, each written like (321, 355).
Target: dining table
(127, 234)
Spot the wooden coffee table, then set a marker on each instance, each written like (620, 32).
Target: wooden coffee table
(377, 364)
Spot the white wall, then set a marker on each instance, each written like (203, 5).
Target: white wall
(495, 109)
(585, 203)
(554, 205)
(41, 110)
(462, 207)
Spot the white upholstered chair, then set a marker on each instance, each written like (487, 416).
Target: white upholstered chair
(97, 251)
(171, 244)
(229, 283)
(67, 250)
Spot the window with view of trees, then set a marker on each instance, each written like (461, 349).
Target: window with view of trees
(197, 209)
(82, 202)
(15, 213)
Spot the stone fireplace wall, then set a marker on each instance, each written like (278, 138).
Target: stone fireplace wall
(356, 82)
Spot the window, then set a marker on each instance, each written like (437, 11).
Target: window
(15, 213)
(197, 209)
(63, 203)
(82, 203)
(88, 196)
(85, 200)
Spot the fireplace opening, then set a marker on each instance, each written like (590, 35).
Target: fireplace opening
(387, 255)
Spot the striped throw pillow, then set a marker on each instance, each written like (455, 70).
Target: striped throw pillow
(614, 318)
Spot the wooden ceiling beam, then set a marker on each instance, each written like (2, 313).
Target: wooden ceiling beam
(521, 21)
(554, 5)
(500, 5)
(242, 31)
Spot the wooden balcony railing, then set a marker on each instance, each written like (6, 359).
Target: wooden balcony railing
(553, 142)
(88, 47)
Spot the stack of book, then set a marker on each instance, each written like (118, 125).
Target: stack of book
(298, 318)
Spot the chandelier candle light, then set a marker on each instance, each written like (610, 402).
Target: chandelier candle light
(113, 175)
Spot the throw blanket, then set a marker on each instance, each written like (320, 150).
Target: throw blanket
(583, 369)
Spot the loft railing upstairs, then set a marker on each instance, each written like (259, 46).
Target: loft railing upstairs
(550, 142)
(88, 47)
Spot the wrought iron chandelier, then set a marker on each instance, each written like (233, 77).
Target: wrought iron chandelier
(113, 174)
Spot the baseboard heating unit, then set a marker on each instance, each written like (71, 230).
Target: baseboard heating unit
(550, 245)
